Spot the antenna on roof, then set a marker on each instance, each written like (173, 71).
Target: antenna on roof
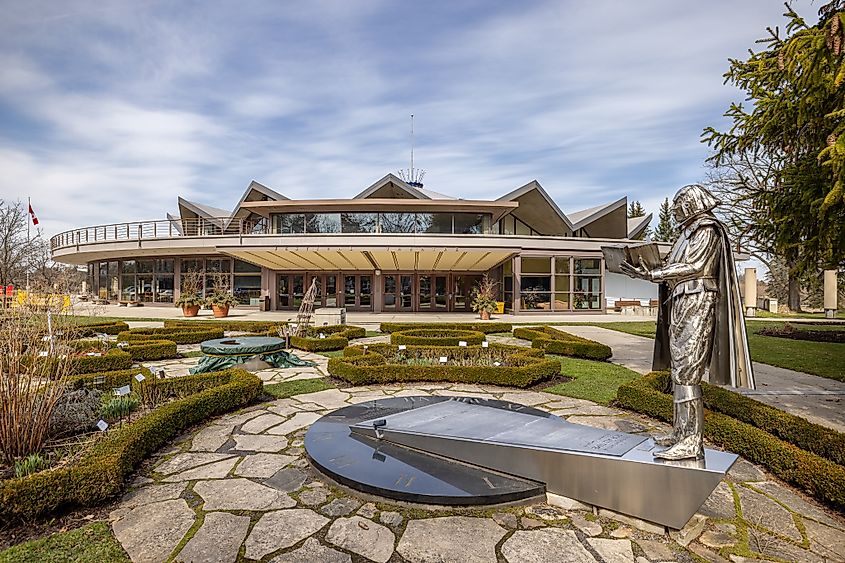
(413, 176)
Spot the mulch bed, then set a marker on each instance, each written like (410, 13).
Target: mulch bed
(829, 336)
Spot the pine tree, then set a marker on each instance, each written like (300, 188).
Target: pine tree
(666, 231)
(635, 209)
(795, 87)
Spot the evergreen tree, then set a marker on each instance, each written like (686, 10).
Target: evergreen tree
(795, 121)
(635, 209)
(667, 230)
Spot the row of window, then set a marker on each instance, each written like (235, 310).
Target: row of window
(556, 283)
(438, 223)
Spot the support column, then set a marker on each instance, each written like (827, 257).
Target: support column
(830, 294)
(517, 275)
(750, 292)
(177, 279)
(378, 291)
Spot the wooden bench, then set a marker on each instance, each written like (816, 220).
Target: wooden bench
(619, 303)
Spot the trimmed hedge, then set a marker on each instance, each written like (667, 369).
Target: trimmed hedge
(145, 350)
(486, 328)
(111, 360)
(522, 366)
(178, 334)
(820, 477)
(100, 473)
(110, 379)
(257, 327)
(110, 327)
(337, 338)
(555, 341)
(437, 337)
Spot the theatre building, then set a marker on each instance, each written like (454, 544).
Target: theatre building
(394, 247)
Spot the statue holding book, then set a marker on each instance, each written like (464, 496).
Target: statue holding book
(706, 329)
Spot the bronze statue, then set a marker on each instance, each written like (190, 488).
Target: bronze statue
(705, 325)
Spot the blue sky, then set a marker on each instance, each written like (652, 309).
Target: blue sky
(109, 110)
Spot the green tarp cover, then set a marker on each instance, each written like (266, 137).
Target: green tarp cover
(224, 353)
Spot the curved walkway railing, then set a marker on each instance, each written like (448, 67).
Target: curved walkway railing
(164, 228)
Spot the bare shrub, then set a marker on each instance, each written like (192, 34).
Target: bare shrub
(34, 361)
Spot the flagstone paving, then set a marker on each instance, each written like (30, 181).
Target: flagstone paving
(241, 488)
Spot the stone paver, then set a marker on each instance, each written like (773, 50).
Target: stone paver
(241, 494)
(362, 536)
(259, 443)
(218, 470)
(266, 473)
(262, 466)
(613, 551)
(312, 552)
(541, 546)
(451, 538)
(149, 533)
(217, 541)
(280, 529)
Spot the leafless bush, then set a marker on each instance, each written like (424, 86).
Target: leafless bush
(33, 367)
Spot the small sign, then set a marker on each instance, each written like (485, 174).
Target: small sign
(403, 347)
(122, 344)
(102, 336)
(497, 364)
(99, 380)
(322, 335)
(485, 344)
(120, 391)
(443, 359)
(462, 343)
(42, 353)
(140, 377)
(46, 338)
(102, 425)
(98, 354)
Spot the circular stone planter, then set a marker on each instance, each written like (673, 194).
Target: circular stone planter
(437, 337)
(387, 470)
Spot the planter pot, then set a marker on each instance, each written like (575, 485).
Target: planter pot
(485, 315)
(219, 311)
(191, 310)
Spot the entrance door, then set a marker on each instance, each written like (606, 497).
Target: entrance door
(398, 292)
(358, 292)
(432, 293)
(441, 294)
(425, 294)
(463, 286)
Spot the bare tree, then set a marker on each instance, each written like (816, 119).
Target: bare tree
(15, 246)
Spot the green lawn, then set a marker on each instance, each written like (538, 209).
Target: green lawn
(595, 381)
(297, 387)
(332, 353)
(93, 543)
(818, 358)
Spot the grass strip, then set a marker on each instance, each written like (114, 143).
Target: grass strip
(88, 544)
(594, 381)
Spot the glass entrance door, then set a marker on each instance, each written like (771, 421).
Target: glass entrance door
(358, 292)
(441, 295)
(425, 294)
(463, 286)
(432, 293)
(398, 292)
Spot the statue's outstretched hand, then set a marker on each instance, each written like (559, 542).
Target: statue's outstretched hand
(640, 271)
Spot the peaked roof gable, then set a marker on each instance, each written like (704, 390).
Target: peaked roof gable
(636, 225)
(397, 183)
(581, 219)
(534, 192)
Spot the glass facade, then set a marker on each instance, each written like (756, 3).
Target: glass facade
(398, 222)
(556, 283)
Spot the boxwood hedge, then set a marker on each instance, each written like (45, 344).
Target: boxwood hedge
(111, 360)
(105, 380)
(100, 473)
(521, 367)
(91, 329)
(177, 334)
(257, 327)
(145, 350)
(817, 475)
(555, 341)
(486, 327)
(436, 337)
(336, 338)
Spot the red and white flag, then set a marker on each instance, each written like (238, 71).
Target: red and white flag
(32, 214)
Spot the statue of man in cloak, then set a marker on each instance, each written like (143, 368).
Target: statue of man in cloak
(705, 325)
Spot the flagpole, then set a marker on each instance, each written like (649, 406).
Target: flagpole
(28, 219)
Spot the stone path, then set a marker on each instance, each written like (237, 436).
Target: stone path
(818, 399)
(240, 488)
(179, 367)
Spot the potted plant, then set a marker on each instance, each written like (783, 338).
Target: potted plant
(190, 304)
(484, 300)
(220, 303)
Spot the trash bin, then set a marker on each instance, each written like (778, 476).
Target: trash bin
(264, 305)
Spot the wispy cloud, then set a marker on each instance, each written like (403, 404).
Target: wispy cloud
(110, 110)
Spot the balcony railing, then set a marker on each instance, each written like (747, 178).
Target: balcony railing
(165, 228)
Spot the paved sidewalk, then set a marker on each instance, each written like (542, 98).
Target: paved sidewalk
(818, 399)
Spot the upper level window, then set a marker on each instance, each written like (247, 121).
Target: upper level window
(358, 222)
(470, 223)
(388, 222)
(322, 222)
(398, 222)
(434, 223)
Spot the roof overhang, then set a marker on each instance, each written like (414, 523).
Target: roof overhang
(393, 187)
